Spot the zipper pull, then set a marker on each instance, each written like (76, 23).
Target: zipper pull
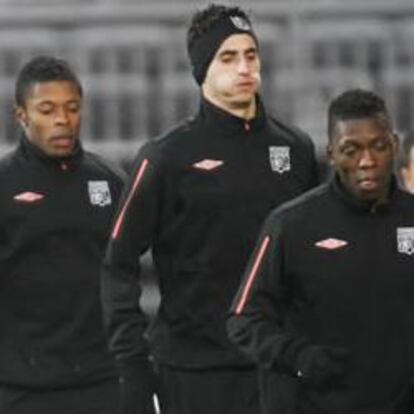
(64, 166)
(247, 126)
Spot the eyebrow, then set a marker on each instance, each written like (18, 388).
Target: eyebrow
(51, 102)
(233, 52)
(353, 141)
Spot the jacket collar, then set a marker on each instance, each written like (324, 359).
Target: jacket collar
(228, 124)
(35, 154)
(362, 205)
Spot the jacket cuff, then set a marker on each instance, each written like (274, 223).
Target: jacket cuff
(134, 367)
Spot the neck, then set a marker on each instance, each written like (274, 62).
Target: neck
(244, 110)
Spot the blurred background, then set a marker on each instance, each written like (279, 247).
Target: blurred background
(131, 58)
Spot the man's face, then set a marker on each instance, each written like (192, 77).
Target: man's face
(407, 172)
(50, 116)
(362, 152)
(233, 76)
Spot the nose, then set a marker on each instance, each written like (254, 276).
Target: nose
(243, 66)
(61, 117)
(367, 159)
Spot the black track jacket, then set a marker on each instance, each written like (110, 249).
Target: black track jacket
(198, 197)
(55, 218)
(336, 272)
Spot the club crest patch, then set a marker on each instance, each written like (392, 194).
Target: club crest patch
(279, 159)
(405, 240)
(99, 194)
(240, 23)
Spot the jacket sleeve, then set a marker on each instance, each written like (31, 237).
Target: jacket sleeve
(132, 234)
(314, 177)
(308, 155)
(256, 322)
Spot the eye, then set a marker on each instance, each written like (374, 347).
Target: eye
(251, 55)
(226, 58)
(45, 109)
(74, 107)
(349, 150)
(381, 145)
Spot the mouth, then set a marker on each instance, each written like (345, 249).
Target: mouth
(246, 85)
(369, 184)
(62, 140)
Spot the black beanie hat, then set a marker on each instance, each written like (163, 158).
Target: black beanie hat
(203, 48)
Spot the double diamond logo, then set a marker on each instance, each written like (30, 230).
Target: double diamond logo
(208, 164)
(331, 244)
(28, 197)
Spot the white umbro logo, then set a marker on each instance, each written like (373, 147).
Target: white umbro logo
(331, 244)
(208, 164)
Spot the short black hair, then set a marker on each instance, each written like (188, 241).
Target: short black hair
(356, 104)
(204, 20)
(43, 69)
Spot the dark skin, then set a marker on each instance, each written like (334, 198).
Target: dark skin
(362, 152)
(51, 117)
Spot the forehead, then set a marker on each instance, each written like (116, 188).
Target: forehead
(361, 130)
(52, 91)
(237, 42)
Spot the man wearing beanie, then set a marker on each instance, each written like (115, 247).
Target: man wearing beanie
(197, 197)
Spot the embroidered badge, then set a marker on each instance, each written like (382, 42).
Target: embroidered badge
(279, 159)
(28, 197)
(208, 164)
(405, 240)
(240, 23)
(99, 194)
(331, 244)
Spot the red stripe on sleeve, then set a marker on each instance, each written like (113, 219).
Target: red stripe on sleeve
(253, 274)
(120, 219)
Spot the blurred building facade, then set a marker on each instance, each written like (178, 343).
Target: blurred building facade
(132, 60)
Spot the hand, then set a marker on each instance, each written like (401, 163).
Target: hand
(404, 403)
(321, 365)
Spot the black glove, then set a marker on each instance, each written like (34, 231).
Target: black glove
(321, 365)
(404, 403)
(316, 365)
(137, 385)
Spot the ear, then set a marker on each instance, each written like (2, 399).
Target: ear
(21, 116)
(404, 175)
(396, 142)
(329, 156)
